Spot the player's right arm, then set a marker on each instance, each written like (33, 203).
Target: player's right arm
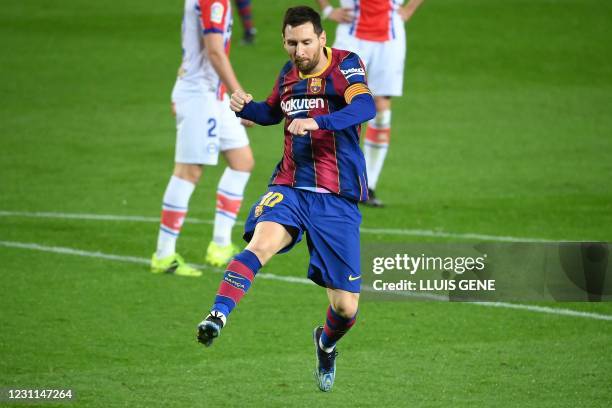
(339, 15)
(263, 113)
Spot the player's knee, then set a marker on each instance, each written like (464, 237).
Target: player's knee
(264, 250)
(189, 172)
(240, 159)
(346, 307)
(245, 165)
(383, 103)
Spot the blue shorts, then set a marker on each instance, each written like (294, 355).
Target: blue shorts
(331, 224)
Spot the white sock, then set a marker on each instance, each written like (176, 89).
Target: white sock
(326, 349)
(376, 145)
(229, 198)
(174, 210)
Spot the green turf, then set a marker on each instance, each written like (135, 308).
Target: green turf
(504, 130)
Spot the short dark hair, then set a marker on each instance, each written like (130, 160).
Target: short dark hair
(299, 15)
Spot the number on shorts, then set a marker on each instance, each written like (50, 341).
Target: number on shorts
(271, 199)
(212, 122)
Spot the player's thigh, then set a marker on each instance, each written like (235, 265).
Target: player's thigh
(268, 239)
(278, 205)
(232, 135)
(197, 138)
(386, 72)
(334, 244)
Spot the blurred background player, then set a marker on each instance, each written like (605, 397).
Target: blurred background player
(205, 125)
(374, 29)
(246, 17)
(323, 96)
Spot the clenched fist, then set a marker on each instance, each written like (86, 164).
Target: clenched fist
(239, 99)
(301, 126)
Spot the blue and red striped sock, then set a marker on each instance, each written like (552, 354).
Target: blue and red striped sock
(237, 280)
(244, 10)
(335, 327)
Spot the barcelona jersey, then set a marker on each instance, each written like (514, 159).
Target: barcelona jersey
(202, 17)
(322, 160)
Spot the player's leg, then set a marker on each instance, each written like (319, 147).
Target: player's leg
(385, 79)
(333, 242)
(273, 225)
(230, 190)
(378, 137)
(268, 239)
(193, 149)
(174, 210)
(246, 17)
(341, 315)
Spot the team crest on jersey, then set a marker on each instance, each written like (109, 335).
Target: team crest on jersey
(216, 12)
(315, 85)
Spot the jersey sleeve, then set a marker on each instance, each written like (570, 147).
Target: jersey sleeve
(353, 74)
(213, 15)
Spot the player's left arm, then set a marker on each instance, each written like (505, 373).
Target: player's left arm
(218, 58)
(360, 109)
(350, 81)
(409, 9)
(213, 15)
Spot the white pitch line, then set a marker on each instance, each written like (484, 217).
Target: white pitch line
(505, 305)
(293, 279)
(94, 217)
(365, 230)
(132, 259)
(72, 251)
(545, 309)
(443, 234)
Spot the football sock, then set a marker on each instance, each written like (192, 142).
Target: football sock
(174, 210)
(335, 327)
(229, 198)
(244, 10)
(237, 280)
(376, 145)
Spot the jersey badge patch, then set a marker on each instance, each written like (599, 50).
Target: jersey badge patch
(216, 12)
(316, 84)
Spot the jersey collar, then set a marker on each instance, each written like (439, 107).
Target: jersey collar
(328, 53)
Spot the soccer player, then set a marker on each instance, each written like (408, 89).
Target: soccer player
(246, 17)
(323, 96)
(205, 125)
(374, 29)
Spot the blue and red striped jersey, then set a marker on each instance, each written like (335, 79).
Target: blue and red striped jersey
(322, 160)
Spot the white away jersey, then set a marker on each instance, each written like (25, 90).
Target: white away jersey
(375, 20)
(200, 18)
